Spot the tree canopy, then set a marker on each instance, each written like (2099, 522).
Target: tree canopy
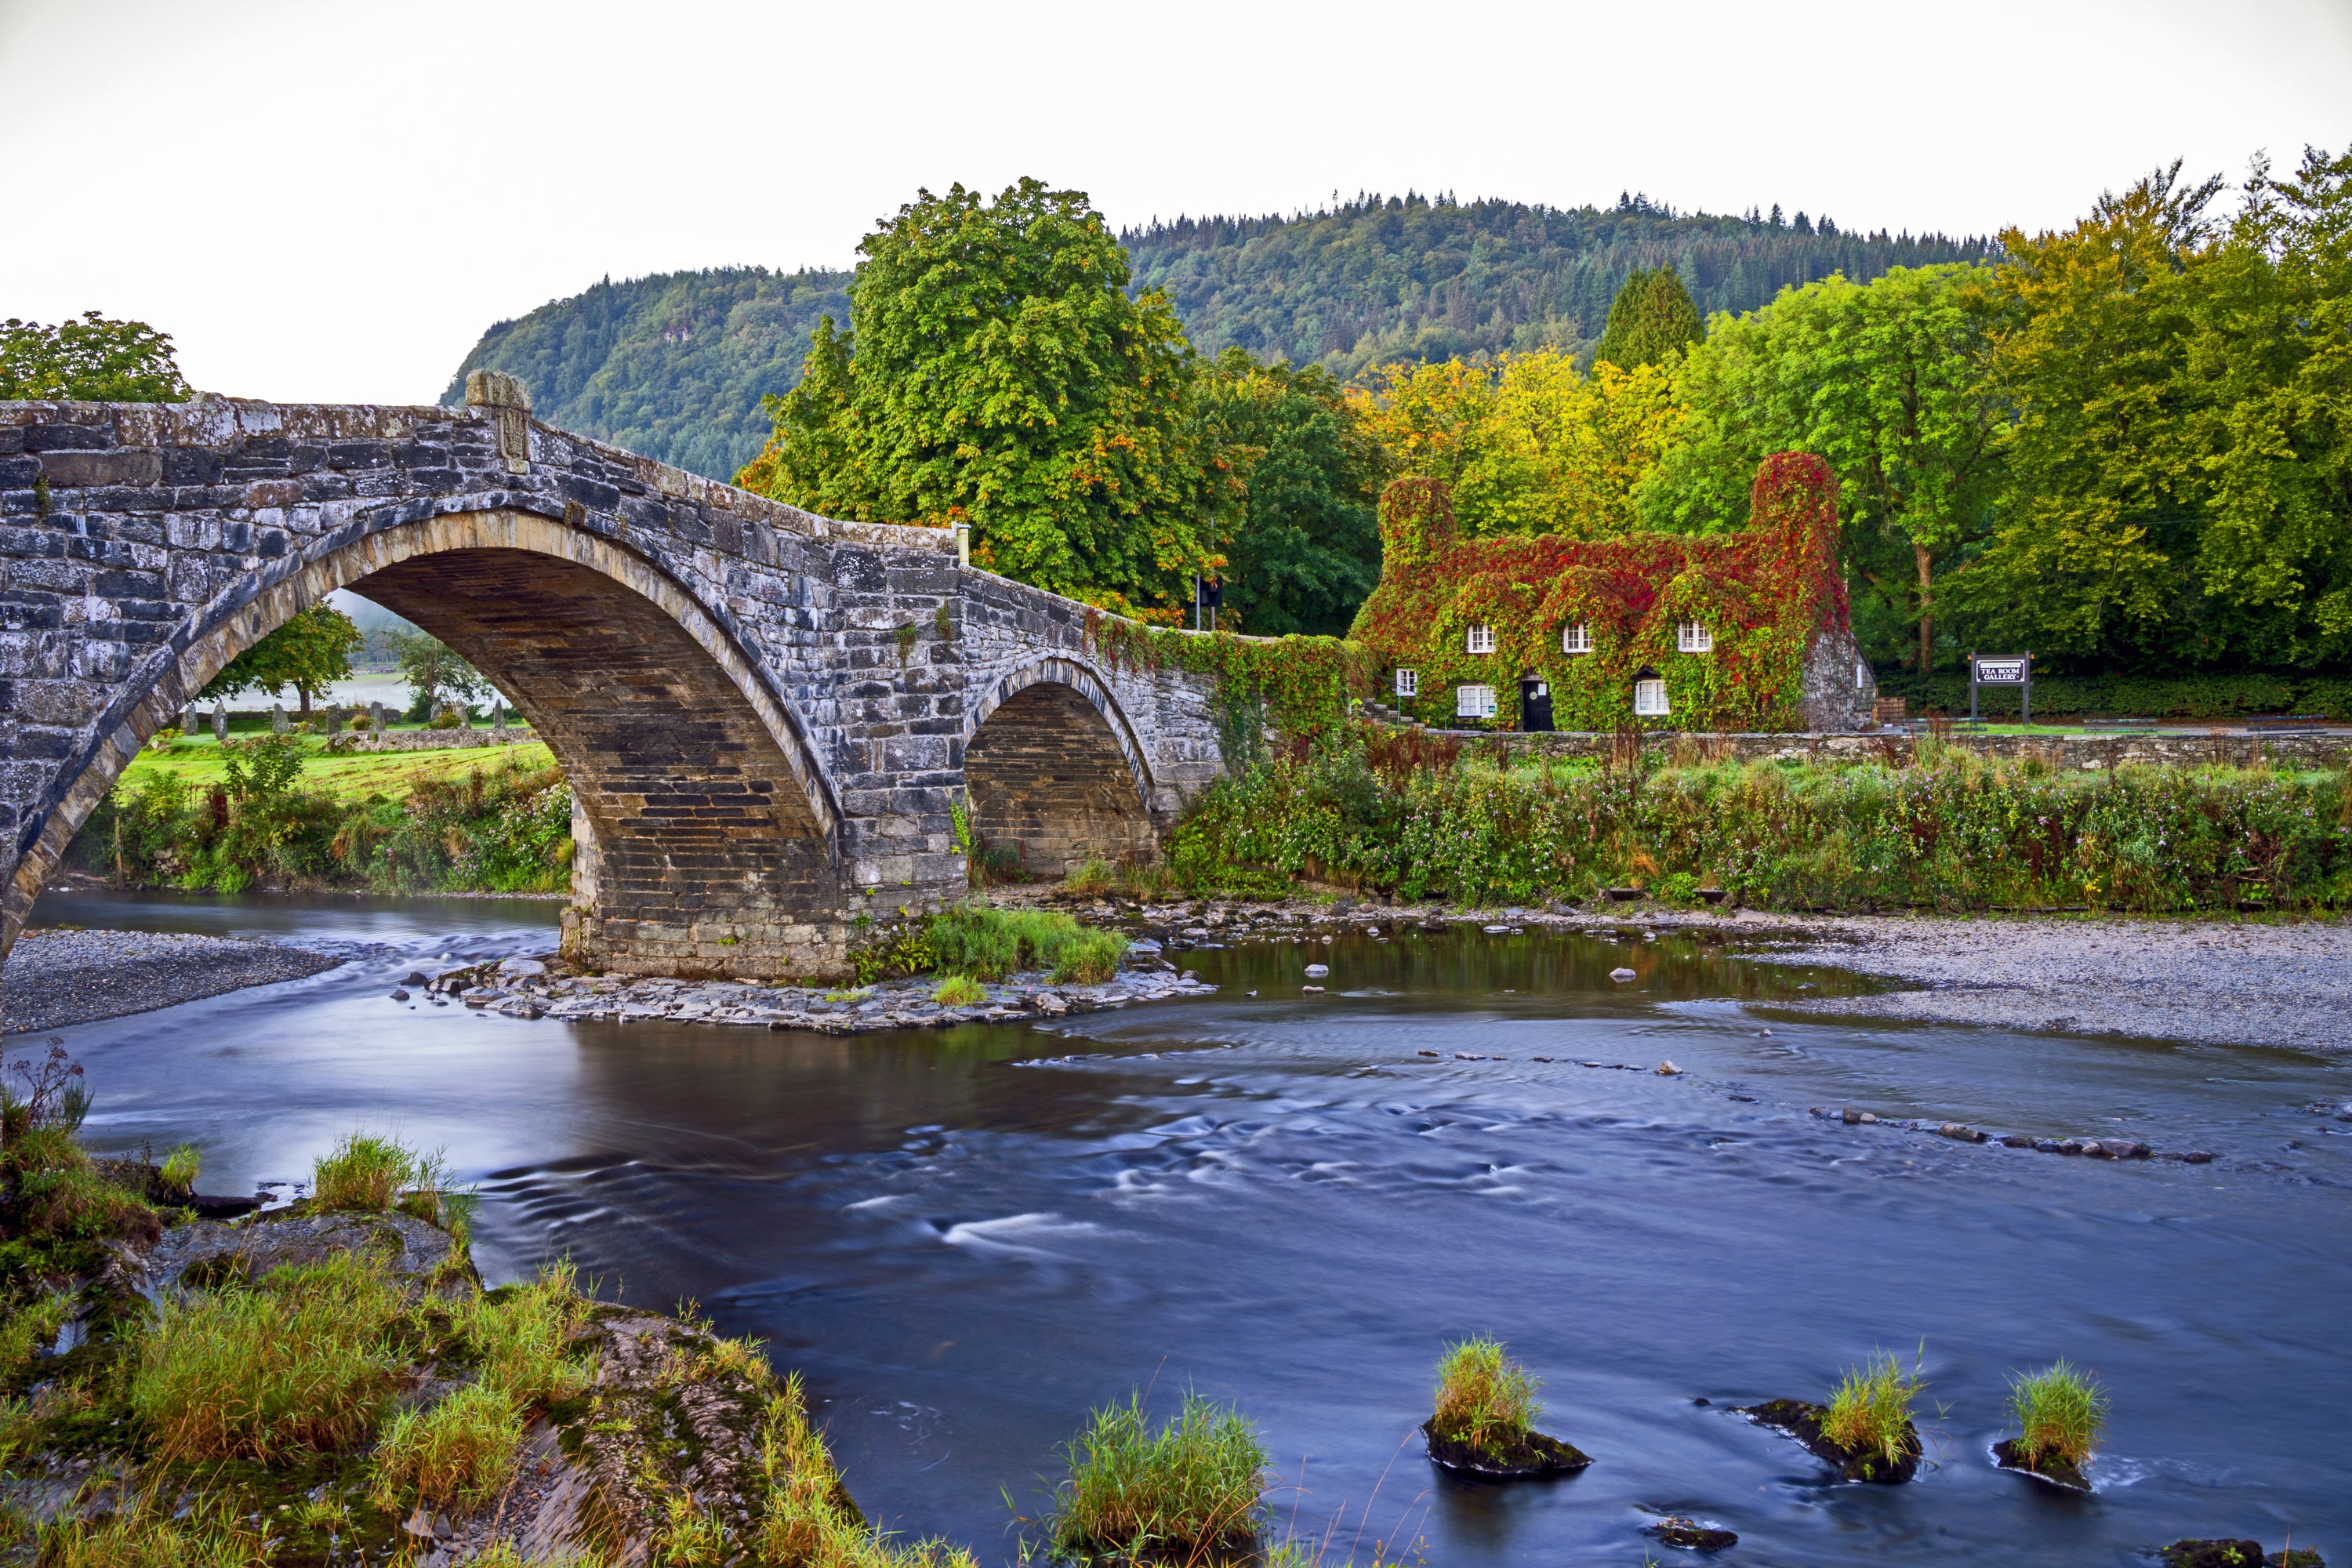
(996, 374)
(95, 359)
(309, 653)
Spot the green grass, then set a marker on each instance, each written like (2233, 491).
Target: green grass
(1093, 878)
(301, 1360)
(1484, 1398)
(2061, 1413)
(352, 776)
(460, 1451)
(517, 1336)
(180, 1169)
(364, 1172)
(1870, 1411)
(145, 1534)
(958, 991)
(1184, 1493)
(987, 943)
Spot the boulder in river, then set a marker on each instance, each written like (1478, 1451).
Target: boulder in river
(1692, 1535)
(2051, 1469)
(1623, 975)
(1524, 1457)
(2214, 1553)
(1317, 970)
(1797, 1418)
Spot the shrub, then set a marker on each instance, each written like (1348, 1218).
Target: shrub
(301, 1360)
(460, 1451)
(1870, 1411)
(958, 991)
(1483, 1398)
(1186, 1492)
(1088, 957)
(2061, 1413)
(363, 1173)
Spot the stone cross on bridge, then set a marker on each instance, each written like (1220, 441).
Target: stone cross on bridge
(767, 718)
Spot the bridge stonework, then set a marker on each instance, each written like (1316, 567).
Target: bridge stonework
(769, 720)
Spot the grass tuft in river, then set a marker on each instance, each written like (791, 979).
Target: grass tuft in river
(1870, 1414)
(1187, 1492)
(987, 943)
(1484, 1399)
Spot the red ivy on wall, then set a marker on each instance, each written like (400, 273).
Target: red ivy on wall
(1765, 595)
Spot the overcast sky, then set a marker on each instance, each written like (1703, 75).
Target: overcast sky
(330, 200)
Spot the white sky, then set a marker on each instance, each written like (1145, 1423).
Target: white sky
(330, 200)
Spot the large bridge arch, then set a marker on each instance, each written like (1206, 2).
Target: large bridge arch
(704, 820)
(1053, 764)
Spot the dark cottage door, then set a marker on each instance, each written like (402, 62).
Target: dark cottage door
(1534, 705)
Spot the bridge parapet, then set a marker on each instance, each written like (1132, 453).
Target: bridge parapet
(765, 715)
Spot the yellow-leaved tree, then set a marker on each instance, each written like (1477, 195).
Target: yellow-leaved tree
(1530, 444)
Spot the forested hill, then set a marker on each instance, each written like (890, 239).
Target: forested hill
(675, 365)
(1406, 277)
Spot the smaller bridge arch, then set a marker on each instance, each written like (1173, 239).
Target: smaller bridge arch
(1053, 767)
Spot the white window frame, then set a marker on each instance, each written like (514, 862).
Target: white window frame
(1576, 639)
(1861, 675)
(1480, 638)
(1694, 637)
(1650, 700)
(1408, 683)
(1473, 702)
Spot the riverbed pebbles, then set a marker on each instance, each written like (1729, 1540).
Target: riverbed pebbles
(58, 977)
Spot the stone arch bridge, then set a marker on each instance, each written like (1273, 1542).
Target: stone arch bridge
(767, 718)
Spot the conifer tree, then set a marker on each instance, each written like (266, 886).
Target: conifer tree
(1652, 318)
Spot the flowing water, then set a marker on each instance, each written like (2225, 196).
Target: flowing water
(965, 1239)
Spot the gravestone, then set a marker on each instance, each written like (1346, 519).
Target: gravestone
(278, 724)
(375, 718)
(220, 722)
(498, 715)
(192, 721)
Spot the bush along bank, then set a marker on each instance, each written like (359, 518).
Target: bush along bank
(1419, 817)
(496, 828)
(328, 1382)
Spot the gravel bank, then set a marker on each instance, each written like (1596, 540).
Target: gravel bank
(2214, 984)
(54, 978)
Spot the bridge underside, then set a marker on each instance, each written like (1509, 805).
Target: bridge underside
(1045, 776)
(697, 851)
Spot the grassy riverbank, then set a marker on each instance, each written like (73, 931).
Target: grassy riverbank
(273, 811)
(1942, 829)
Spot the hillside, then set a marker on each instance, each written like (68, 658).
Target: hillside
(1403, 277)
(675, 365)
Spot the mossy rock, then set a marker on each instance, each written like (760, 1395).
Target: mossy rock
(1692, 1535)
(2049, 1468)
(2214, 1553)
(1797, 1418)
(1520, 1457)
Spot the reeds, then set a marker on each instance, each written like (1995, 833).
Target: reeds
(1185, 1493)
(363, 1171)
(1484, 1398)
(1093, 878)
(958, 991)
(986, 943)
(2061, 1413)
(461, 1450)
(1870, 1411)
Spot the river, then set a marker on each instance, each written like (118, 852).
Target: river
(965, 1239)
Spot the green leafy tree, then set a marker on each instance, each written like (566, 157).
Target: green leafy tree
(94, 360)
(2181, 459)
(1301, 528)
(1885, 382)
(434, 670)
(1651, 319)
(997, 373)
(309, 653)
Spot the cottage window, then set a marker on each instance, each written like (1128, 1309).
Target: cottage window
(1861, 675)
(1650, 698)
(1473, 702)
(1482, 638)
(1577, 639)
(1693, 636)
(1408, 683)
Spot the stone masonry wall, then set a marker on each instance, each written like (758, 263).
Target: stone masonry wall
(765, 715)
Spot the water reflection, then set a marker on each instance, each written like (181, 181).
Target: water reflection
(967, 1238)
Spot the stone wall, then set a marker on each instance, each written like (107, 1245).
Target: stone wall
(2088, 751)
(353, 741)
(765, 715)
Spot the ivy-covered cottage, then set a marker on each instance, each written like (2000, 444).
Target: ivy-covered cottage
(1728, 632)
